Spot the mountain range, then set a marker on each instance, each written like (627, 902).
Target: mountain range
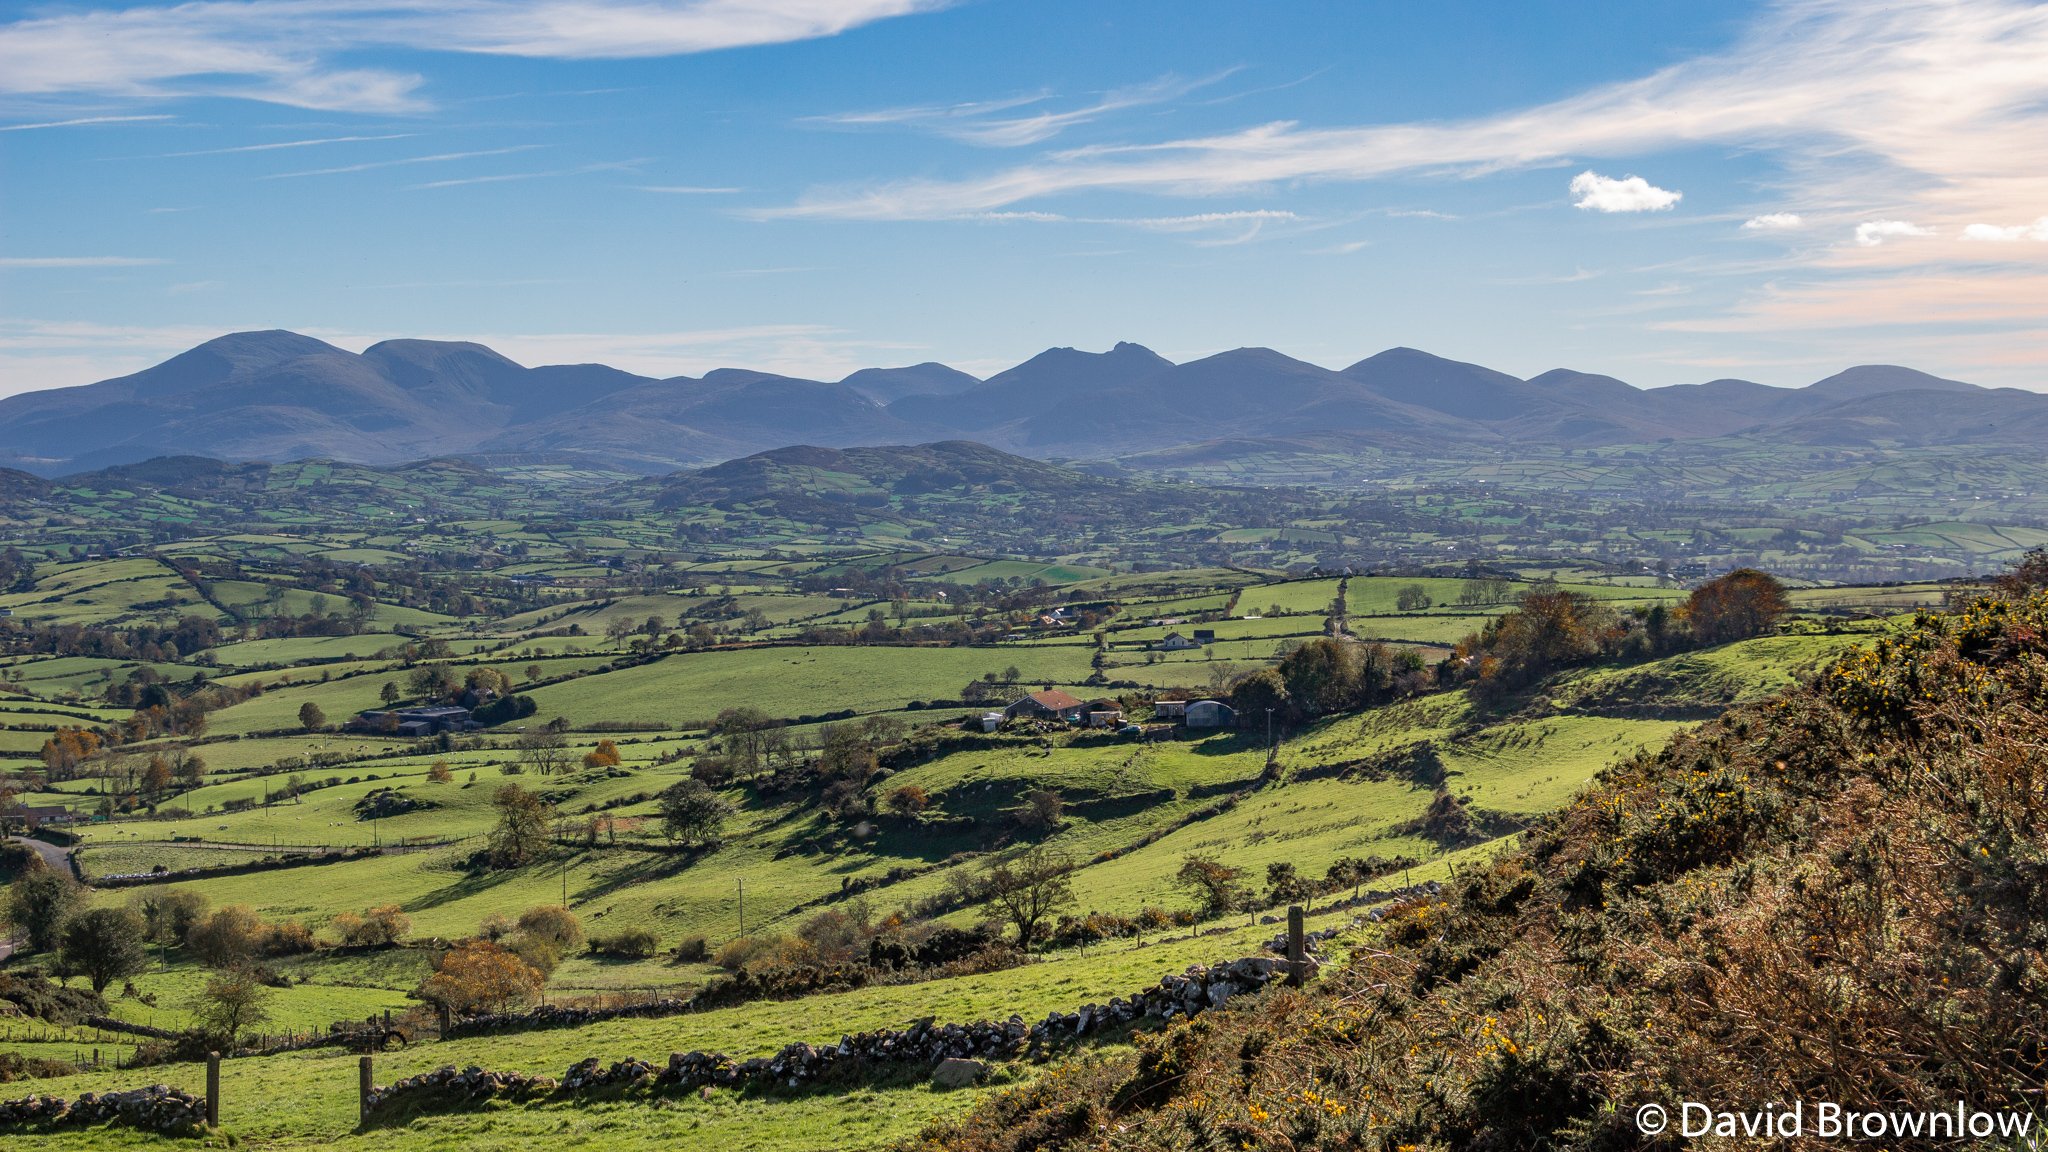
(281, 396)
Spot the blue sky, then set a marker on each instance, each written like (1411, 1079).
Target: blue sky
(1662, 192)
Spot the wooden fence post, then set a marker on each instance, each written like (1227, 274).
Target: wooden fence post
(213, 1089)
(1297, 947)
(363, 1086)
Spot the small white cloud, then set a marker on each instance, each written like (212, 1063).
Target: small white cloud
(1872, 233)
(1997, 234)
(1599, 193)
(1774, 222)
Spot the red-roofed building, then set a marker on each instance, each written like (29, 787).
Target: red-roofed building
(1051, 704)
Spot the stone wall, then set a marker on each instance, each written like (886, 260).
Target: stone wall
(156, 1108)
(925, 1042)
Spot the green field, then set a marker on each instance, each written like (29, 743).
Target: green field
(338, 582)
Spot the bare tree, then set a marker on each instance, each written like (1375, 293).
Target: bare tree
(1029, 887)
(546, 751)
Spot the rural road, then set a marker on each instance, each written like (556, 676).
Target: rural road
(58, 859)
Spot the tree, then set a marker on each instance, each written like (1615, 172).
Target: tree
(480, 976)
(1284, 886)
(690, 810)
(311, 718)
(232, 1002)
(66, 749)
(377, 926)
(434, 682)
(909, 800)
(1030, 887)
(605, 755)
(2028, 574)
(1411, 598)
(191, 770)
(104, 945)
(522, 830)
(552, 923)
(1256, 693)
(1212, 883)
(168, 914)
(1042, 810)
(1738, 606)
(545, 751)
(40, 901)
(846, 754)
(389, 693)
(156, 779)
(227, 938)
(440, 773)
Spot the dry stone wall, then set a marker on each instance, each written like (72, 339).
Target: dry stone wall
(925, 1042)
(156, 1108)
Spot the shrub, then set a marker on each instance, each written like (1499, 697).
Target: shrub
(692, 950)
(15, 1066)
(290, 938)
(481, 976)
(374, 928)
(227, 938)
(635, 943)
(552, 923)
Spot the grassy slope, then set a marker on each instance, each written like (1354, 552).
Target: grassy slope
(1826, 890)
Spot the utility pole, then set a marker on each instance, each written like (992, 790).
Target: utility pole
(1271, 748)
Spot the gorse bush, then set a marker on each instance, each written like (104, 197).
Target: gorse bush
(1837, 895)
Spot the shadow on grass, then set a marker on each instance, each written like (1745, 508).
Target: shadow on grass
(833, 1084)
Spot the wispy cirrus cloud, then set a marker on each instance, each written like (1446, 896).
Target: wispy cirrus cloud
(1930, 107)
(403, 161)
(1232, 227)
(81, 121)
(78, 261)
(278, 145)
(990, 123)
(513, 177)
(286, 51)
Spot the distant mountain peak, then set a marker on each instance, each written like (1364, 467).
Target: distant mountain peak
(275, 395)
(1877, 379)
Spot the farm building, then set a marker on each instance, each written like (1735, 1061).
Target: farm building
(22, 818)
(1170, 709)
(1175, 642)
(1104, 714)
(428, 721)
(1051, 704)
(1205, 635)
(1210, 714)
